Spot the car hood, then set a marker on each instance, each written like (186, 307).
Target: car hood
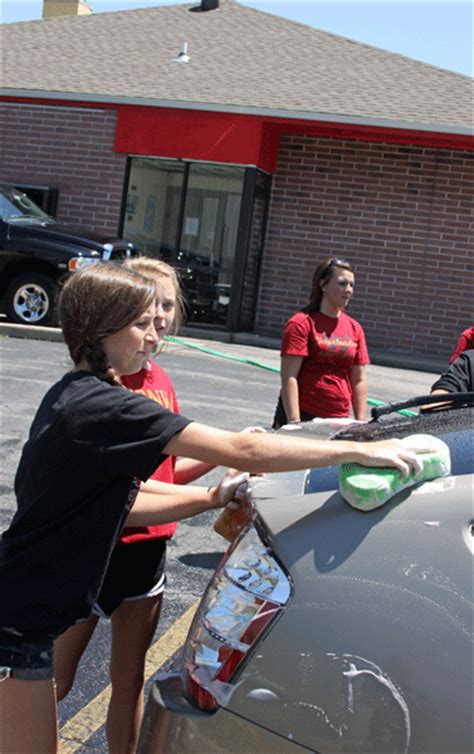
(53, 232)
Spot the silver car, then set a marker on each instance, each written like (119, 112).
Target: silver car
(327, 629)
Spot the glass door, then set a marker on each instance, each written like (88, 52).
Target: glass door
(208, 239)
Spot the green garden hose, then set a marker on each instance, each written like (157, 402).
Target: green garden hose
(254, 363)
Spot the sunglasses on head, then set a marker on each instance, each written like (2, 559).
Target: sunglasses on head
(338, 262)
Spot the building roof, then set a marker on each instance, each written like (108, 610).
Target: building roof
(241, 60)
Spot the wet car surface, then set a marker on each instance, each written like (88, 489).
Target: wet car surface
(328, 629)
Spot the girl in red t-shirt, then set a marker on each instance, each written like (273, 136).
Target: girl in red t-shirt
(323, 353)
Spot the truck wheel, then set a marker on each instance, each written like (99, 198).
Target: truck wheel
(30, 299)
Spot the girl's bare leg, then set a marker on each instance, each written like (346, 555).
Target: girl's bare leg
(133, 626)
(68, 650)
(28, 717)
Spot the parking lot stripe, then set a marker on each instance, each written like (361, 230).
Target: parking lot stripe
(82, 726)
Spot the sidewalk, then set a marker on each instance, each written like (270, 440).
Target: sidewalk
(247, 345)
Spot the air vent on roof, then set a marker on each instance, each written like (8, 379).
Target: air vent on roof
(183, 56)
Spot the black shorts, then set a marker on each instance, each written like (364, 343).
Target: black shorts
(136, 571)
(279, 420)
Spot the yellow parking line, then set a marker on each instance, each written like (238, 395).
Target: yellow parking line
(82, 726)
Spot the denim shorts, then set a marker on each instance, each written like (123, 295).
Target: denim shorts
(25, 659)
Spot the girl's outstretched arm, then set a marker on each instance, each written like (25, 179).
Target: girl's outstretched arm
(188, 470)
(255, 452)
(160, 502)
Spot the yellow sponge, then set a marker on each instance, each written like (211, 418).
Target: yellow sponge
(367, 488)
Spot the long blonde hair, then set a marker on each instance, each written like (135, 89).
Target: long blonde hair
(153, 268)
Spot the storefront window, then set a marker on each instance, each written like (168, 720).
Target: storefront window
(152, 205)
(192, 215)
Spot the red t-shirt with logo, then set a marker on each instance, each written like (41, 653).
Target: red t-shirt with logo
(155, 384)
(331, 346)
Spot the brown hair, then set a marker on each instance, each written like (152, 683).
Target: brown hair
(153, 268)
(323, 274)
(96, 302)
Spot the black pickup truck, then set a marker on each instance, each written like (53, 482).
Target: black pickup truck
(36, 251)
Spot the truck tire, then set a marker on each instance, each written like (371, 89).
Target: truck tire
(30, 299)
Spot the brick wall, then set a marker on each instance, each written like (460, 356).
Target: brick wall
(402, 215)
(68, 148)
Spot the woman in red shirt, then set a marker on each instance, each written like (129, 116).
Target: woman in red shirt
(323, 353)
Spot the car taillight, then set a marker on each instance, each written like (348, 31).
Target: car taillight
(247, 593)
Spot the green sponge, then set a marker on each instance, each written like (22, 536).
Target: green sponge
(367, 488)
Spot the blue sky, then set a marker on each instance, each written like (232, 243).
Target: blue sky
(439, 33)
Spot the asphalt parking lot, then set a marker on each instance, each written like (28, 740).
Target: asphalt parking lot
(212, 389)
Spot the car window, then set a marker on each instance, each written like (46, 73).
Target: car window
(15, 205)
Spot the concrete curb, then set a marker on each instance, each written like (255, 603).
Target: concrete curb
(31, 332)
(417, 362)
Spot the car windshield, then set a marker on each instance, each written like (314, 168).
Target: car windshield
(16, 206)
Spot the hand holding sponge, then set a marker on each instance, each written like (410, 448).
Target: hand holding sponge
(368, 488)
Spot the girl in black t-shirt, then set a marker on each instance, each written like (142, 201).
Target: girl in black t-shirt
(132, 591)
(76, 485)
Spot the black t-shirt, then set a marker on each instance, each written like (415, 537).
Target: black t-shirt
(459, 376)
(88, 442)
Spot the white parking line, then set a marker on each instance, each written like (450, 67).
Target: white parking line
(82, 726)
